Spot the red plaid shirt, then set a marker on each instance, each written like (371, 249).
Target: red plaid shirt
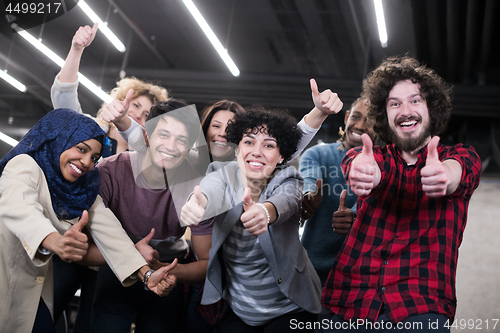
(403, 247)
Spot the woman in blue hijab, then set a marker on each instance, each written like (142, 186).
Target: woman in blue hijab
(47, 185)
(55, 133)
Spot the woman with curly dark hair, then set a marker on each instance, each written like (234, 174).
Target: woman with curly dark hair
(269, 281)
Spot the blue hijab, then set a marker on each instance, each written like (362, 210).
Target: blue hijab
(55, 133)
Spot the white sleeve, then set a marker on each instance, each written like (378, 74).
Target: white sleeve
(133, 136)
(308, 135)
(65, 95)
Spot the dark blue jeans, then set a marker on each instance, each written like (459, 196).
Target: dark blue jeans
(428, 322)
(116, 307)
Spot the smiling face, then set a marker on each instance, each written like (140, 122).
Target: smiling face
(79, 159)
(258, 155)
(169, 143)
(217, 143)
(139, 109)
(408, 116)
(356, 124)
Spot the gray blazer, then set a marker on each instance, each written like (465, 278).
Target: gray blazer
(284, 253)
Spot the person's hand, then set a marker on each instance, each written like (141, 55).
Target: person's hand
(84, 36)
(254, 218)
(434, 177)
(161, 282)
(311, 200)
(73, 245)
(148, 253)
(192, 212)
(343, 218)
(327, 101)
(365, 172)
(114, 111)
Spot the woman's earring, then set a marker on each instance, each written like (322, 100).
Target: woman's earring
(236, 152)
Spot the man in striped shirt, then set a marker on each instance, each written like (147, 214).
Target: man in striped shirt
(397, 267)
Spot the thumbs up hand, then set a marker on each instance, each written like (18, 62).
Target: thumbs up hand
(73, 245)
(247, 199)
(84, 36)
(311, 200)
(254, 217)
(327, 101)
(365, 173)
(114, 111)
(192, 212)
(434, 176)
(343, 218)
(162, 281)
(148, 253)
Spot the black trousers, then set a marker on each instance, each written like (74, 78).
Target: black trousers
(43, 319)
(232, 323)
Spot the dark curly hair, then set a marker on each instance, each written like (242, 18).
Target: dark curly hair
(382, 79)
(278, 123)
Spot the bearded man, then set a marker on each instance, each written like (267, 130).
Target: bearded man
(396, 269)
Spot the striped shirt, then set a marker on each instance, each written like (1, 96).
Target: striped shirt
(252, 291)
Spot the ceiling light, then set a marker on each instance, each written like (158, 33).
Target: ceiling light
(7, 139)
(211, 37)
(103, 26)
(382, 30)
(38, 44)
(94, 88)
(60, 62)
(18, 85)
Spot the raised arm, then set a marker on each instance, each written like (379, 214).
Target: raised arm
(82, 38)
(64, 90)
(325, 104)
(311, 168)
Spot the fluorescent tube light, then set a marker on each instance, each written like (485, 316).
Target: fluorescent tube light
(7, 139)
(382, 30)
(103, 26)
(38, 44)
(60, 62)
(212, 38)
(94, 88)
(18, 85)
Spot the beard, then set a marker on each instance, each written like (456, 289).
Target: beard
(410, 144)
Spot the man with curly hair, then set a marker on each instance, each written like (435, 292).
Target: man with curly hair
(397, 266)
